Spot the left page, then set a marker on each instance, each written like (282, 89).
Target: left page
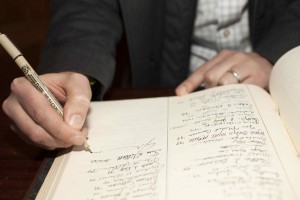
(128, 140)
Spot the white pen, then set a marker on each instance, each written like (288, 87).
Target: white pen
(32, 76)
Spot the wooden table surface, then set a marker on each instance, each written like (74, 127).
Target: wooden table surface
(20, 162)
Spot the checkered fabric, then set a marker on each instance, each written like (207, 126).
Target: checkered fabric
(219, 24)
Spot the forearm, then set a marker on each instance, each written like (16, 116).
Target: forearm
(82, 38)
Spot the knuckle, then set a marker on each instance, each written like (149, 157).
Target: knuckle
(81, 99)
(15, 84)
(78, 77)
(188, 84)
(39, 115)
(83, 91)
(36, 136)
(209, 77)
(5, 106)
(62, 133)
(226, 52)
(21, 87)
(222, 82)
(39, 138)
(241, 56)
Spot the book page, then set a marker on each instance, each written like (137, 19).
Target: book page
(129, 141)
(285, 90)
(280, 139)
(213, 144)
(220, 148)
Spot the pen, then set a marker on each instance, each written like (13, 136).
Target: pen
(32, 76)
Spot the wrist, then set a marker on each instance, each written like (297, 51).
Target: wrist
(95, 88)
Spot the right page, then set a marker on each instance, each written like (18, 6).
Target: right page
(285, 90)
(229, 143)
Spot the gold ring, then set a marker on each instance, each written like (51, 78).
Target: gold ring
(236, 75)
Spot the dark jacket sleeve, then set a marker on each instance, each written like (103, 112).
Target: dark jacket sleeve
(284, 32)
(82, 37)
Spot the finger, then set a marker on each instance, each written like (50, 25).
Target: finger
(78, 100)
(39, 110)
(232, 76)
(217, 59)
(26, 128)
(214, 74)
(256, 81)
(190, 84)
(30, 141)
(200, 75)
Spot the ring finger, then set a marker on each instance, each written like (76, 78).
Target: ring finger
(231, 76)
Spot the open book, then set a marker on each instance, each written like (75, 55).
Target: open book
(230, 142)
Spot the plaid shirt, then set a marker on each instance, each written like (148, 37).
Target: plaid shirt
(219, 24)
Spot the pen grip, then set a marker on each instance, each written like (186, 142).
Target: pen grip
(32, 76)
(38, 84)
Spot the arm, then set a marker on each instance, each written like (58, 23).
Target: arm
(82, 38)
(283, 34)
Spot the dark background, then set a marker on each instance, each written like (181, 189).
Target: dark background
(25, 22)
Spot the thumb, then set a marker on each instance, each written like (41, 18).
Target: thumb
(78, 100)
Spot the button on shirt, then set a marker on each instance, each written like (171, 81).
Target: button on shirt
(219, 24)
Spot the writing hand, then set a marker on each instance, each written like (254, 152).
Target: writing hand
(249, 68)
(34, 120)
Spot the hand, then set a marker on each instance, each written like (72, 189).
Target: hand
(37, 122)
(249, 68)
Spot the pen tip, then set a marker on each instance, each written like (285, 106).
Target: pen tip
(87, 147)
(89, 150)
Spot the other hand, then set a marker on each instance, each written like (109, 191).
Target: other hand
(229, 67)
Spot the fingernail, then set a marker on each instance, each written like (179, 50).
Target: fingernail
(182, 90)
(77, 140)
(76, 121)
